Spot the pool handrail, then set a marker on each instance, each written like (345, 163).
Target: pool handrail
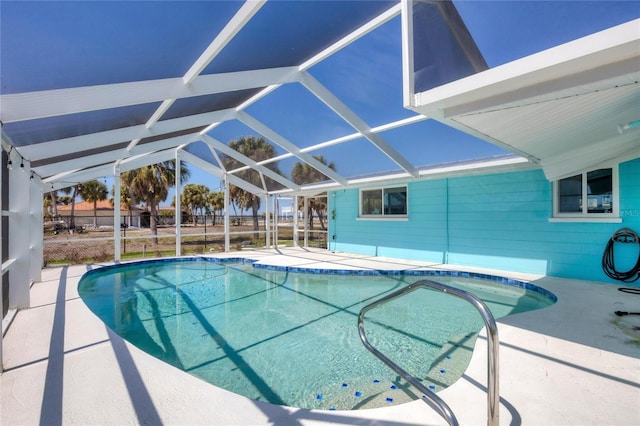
(493, 398)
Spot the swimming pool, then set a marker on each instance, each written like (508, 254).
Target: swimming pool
(291, 338)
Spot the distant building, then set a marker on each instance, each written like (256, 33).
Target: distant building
(84, 216)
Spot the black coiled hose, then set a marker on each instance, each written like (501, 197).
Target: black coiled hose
(625, 236)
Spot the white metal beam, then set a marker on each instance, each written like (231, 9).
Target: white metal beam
(178, 206)
(407, 53)
(116, 212)
(214, 143)
(284, 143)
(147, 159)
(243, 16)
(210, 168)
(51, 103)
(382, 128)
(371, 25)
(70, 145)
(235, 24)
(60, 167)
(97, 160)
(68, 178)
(329, 99)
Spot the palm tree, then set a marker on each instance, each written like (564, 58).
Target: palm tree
(150, 185)
(302, 173)
(258, 149)
(93, 191)
(194, 197)
(73, 190)
(126, 200)
(215, 203)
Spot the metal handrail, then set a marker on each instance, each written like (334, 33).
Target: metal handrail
(493, 398)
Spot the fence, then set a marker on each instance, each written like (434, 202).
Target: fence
(201, 234)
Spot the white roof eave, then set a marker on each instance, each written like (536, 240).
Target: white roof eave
(493, 104)
(619, 45)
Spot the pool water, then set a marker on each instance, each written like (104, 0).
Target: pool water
(291, 338)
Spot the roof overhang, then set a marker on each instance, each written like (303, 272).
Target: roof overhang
(569, 108)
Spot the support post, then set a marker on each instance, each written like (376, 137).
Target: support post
(267, 221)
(305, 216)
(117, 219)
(276, 217)
(294, 212)
(36, 246)
(227, 242)
(178, 211)
(19, 211)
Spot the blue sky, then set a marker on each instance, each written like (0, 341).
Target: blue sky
(366, 75)
(503, 30)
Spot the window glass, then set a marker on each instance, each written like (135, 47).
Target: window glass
(384, 202)
(599, 191)
(372, 202)
(587, 194)
(570, 195)
(395, 201)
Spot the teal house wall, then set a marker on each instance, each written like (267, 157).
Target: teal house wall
(498, 221)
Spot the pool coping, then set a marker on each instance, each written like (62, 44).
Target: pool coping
(579, 369)
(354, 271)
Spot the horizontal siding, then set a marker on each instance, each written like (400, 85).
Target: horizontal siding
(497, 221)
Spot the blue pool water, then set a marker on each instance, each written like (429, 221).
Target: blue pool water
(291, 338)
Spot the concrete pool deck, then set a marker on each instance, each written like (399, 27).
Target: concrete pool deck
(570, 364)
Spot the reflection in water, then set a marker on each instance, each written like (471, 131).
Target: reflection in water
(291, 338)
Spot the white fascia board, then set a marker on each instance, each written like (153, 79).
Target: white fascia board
(285, 144)
(214, 143)
(51, 103)
(216, 171)
(497, 165)
(491, 165)
(235, 24)
(614, 45)
(102, 139)
(332, 101)
(599, 78)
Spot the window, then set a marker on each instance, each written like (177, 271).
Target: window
(588, 195)
(383, 202)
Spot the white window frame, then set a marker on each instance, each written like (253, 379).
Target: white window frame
(585, 216)
(382, 215)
